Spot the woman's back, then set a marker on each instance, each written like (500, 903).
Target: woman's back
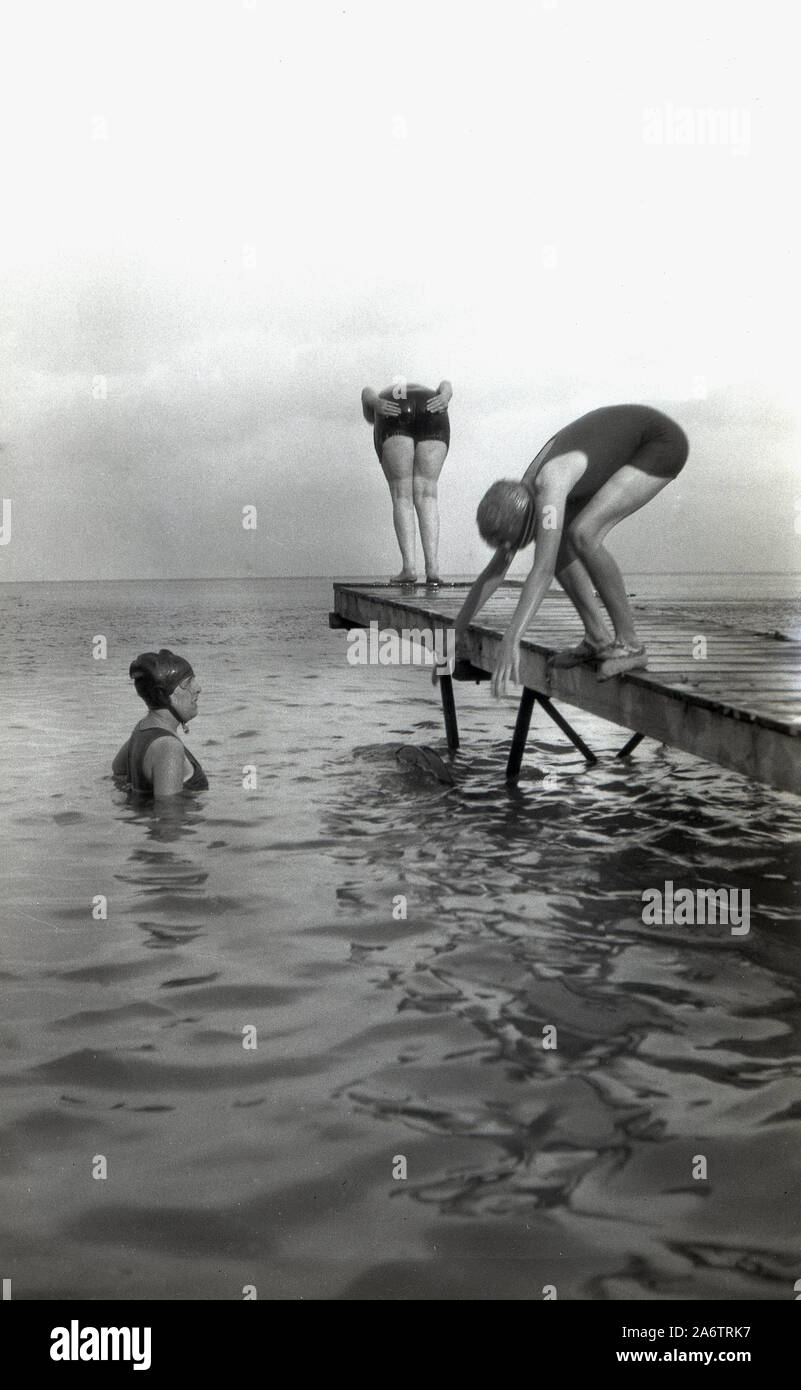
(138, 745)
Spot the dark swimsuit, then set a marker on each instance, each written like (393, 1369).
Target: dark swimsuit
(613, 436)
(414, 421)
(138, 744)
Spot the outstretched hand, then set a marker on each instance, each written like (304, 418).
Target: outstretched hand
(507, 668)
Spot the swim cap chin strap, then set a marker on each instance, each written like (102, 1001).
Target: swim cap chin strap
(170, 707)
(176, 715)
(179, 717)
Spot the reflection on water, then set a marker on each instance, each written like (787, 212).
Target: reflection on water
(587, 1057)
(299, 982)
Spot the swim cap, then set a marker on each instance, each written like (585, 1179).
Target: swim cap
(505, 512)
(156, 674)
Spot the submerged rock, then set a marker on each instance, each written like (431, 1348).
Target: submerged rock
(427, 760)
(411, 755)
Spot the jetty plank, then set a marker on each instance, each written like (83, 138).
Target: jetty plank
(739, 708)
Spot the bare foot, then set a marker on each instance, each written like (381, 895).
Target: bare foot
(405, 577)
(433, 580)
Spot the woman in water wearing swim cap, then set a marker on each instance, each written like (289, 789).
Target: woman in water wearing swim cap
(411, 434)
(587, 478)
(154, 761)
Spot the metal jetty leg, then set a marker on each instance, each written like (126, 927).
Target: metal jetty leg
(449, 711)
(559, 719)
(520, 734)
(630, 746)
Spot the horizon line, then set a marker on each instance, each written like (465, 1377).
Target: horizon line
(364, 578)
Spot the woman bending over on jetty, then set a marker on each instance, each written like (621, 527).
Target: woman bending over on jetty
(587, 478)
(411, 434)
(154, 761)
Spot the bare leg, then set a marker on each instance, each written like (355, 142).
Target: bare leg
(397, 461)
(625, 492)
(429, 456)
(580, 589)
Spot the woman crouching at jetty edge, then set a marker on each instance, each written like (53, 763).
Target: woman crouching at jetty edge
(411, 435)
(586, 479)
(154, 761)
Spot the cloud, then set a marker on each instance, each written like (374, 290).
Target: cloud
(213, 241)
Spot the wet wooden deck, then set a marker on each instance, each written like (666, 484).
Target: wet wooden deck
(739, 705)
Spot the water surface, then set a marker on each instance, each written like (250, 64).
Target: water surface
(399, 947)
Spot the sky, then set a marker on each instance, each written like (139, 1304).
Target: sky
(223, 218)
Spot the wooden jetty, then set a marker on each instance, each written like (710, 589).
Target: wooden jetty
(729, 696)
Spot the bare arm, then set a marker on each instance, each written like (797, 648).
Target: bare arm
(441, 400)
(483, 588)
(549, 500)
(373, 405)
(536, 586)
(369, 399)
(166, 767)
(119, 767)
